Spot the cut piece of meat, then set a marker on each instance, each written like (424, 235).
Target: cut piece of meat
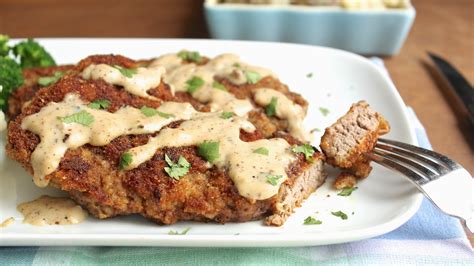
(346, 142)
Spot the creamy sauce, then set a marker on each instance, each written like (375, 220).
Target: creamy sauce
(7, 222)
(226, 66)
(285, 109)
(48, 210)
(248, 170)
(138, 84)
(57, 137)
(3, 122)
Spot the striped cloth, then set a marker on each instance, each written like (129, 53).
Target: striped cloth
(430, 237)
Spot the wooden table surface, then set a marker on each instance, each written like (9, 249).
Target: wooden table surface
(441, 26)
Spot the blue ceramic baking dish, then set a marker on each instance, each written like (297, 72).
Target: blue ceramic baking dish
(374, 32)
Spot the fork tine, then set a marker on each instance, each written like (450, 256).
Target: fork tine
(436, 157)
(439, 168)
(413, 176)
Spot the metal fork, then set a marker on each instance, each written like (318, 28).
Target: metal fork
(443, 181)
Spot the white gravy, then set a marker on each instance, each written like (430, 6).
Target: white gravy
(48, 210)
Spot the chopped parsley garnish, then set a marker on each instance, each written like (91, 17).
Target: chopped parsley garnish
(347, 191)
(191, 56)
(311, 220)
(177, 170)
(273, 179)
(340, 214)
(309, 75)
(237, 65)
(219, 86)
(99, 104)
(324, 111)
(209, 150)
(252, 76)
(46, 81)
(261, 150)
(82, 117)
(148, 112)
(227, 115)
(125, 160)
(174, 232)
(305, 149)
(270, 109)
(194, 84)
(127, 72)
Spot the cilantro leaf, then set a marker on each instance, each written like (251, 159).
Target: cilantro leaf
(305, 149)
(252, 76)
(261, 150)
(174, 232)
(309, 75)
(270, 109)
(125, 160)
(209, 151)
(99, 104)
(194, 84)
(227, 115)
(219, 86)
(46, 81)
(191, 56)
(236, 65)
(347, 191)
(148, 112)
(177, 170)
(127, 72)
(340, 214)
(82, 117)
(324, 111)
(311, 220)
(273, 179)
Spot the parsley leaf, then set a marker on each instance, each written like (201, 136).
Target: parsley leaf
(305, 149)
(309, 75)
(127, 72)
(219, 86)
(177, 170)
(82, 117)
(209, 151)
(227, 115)
(237, 65)
(270, 109)
(46, 81)
(340, 214)
(324, 111)
(347, 191)
(194, 84)
(191, 56)
(99, 104)
(273, 179)
(261, 150)
(311, 220)
(252, 76)
(125, 160)
(148, 112)
(174, 232)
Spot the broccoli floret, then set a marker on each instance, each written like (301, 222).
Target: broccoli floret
(11, 77)
(32, 54)
(4, 49)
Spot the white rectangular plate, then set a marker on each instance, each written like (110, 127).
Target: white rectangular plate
(383, 202)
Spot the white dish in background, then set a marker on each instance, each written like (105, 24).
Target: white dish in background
(383, 202)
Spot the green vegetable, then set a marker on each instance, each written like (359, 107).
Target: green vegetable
(340, 214)
(148, 112)
(219, 86)
(177, 170)
(125, 160)
(127, 72)
(237, 65)
(32, 54)
(191, 56)
(11, 78)
(227, 115)
(4, 48)
(261, 150)
(82, 117)
(347, 191)
(309, 75)
(324, 111)
(174, 232)
(252, 76)
(194, 84)
(305, 149)
(46, 81)
(99, 104)
(311, 220)
(270, 109)
(273, 179)
(209, 150)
